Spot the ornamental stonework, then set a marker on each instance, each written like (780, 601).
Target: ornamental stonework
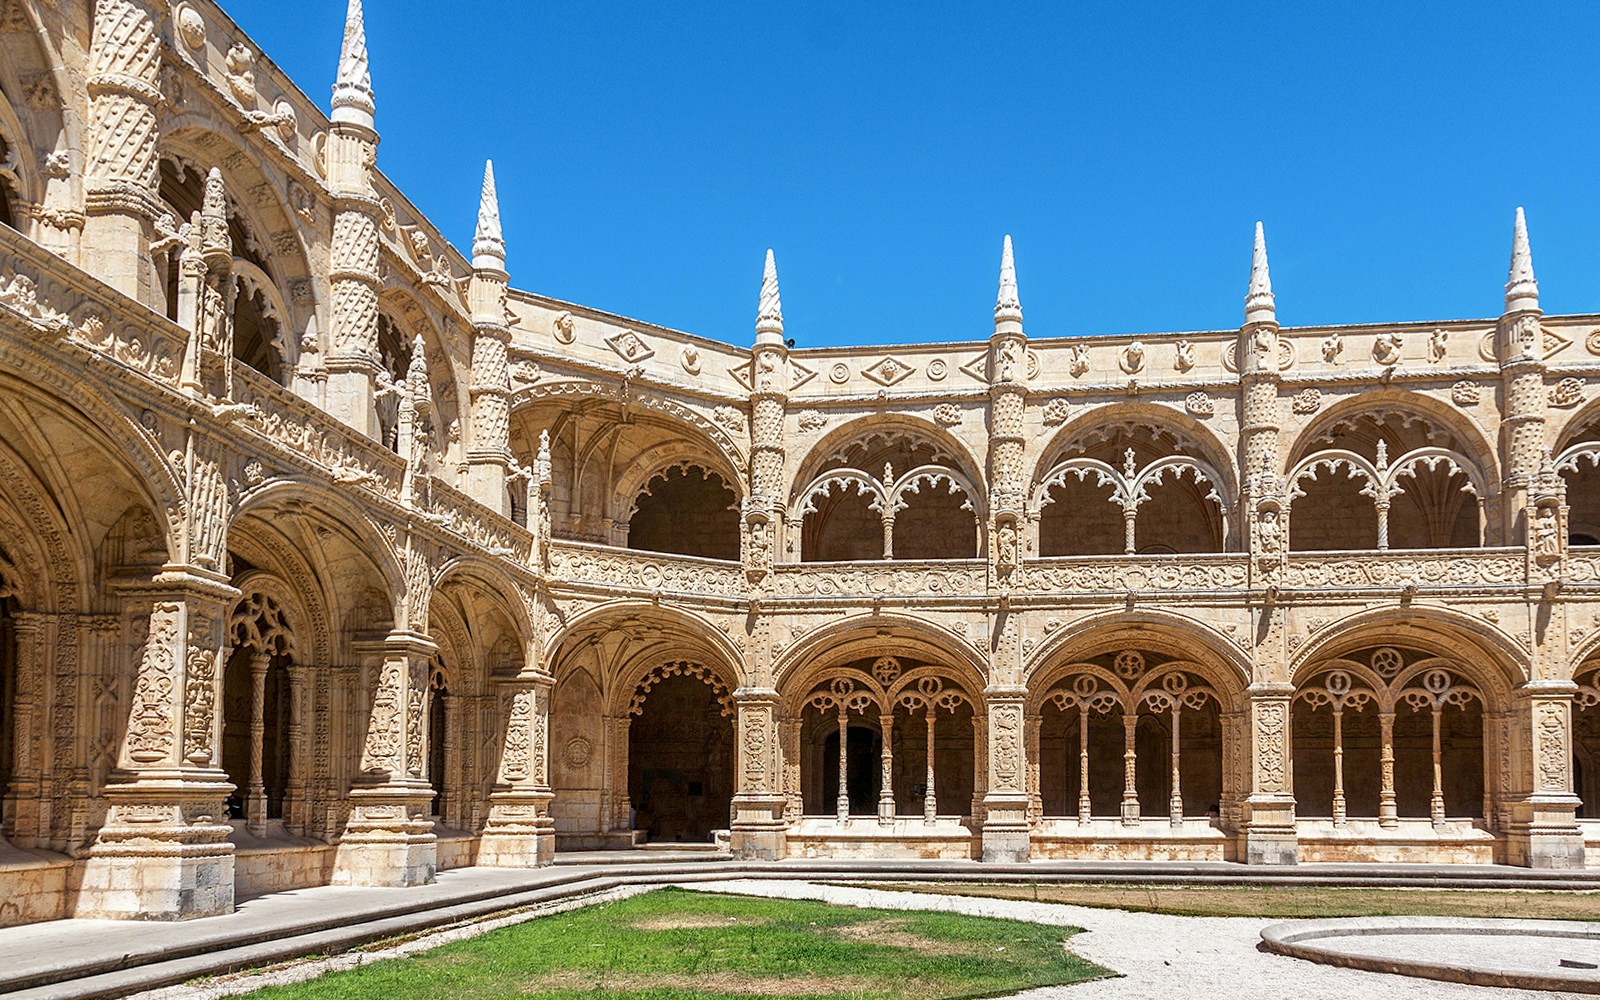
(339, 523)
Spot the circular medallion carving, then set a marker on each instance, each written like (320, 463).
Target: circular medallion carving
(577, 752)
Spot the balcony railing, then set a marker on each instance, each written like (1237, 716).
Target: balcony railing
(635, 570)
(882, 578)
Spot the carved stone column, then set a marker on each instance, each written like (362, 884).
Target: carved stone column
(27, 807)
(1519, 346)
(759, 802)
(1008, 395)
(256, 789)
(1270, 835)
(163, 851)
(353, 360)
(1005, 803)
(389, 838)
(1543, 830)
(520, 832)
(769, 400)
(789, 756)
(489, 457)
(294, 793)
(121, 177)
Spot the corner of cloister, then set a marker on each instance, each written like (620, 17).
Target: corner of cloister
(328, 557)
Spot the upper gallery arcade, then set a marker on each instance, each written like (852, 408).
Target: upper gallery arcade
(327, 556)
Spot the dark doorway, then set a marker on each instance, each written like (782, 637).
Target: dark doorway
(863, 771)
(680, 762)
(437, 693)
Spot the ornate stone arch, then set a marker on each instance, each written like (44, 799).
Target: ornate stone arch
(962, 459)
(1488, 657)
(112, 431)
(253, 186)
(336, 512)
(1216, 657)
(729, 450)
(265, 616)
(716, 644)
(1477, 444)
(1208, 450)
(486, 578)
(856, 636)
(300, 588)
(47, 126)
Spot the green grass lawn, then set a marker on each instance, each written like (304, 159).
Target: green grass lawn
(674, 944)
(1285, 901)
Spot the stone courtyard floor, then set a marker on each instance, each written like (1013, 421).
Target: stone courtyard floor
(1159, 956)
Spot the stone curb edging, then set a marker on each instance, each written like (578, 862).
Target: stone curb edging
(1298, 939)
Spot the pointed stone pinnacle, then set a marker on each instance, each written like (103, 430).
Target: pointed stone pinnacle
(769, 314)
(417, 370)
(1007, 305)
(1259, 304)
(489, 244)
(353, 102)
(1522, 290)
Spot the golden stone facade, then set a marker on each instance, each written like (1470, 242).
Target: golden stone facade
(327, 558)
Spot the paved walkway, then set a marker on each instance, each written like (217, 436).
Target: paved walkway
(1159, 956)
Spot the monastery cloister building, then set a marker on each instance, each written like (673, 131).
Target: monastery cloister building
(326, 557)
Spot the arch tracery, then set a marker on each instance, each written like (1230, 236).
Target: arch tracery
(899, 483)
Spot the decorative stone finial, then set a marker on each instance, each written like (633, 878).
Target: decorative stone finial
(1259, 305)
(489, 244)
(216, 245)
(1522, 291)
(769, 315)
(417, 370)
(1007, 305)
(353, 102)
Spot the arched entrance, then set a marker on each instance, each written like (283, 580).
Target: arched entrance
(887, 736)
(256, 693)
(680, 755)
(1389, 733)
(439, 737)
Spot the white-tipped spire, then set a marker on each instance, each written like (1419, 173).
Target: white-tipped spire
(1522, 291)
(1007, 305)
(1259, 305)
(769, 314)
(352, 89)
(489, 244)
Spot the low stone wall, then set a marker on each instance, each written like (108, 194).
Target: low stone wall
(33, 886)
(260, 870)
(1413, 842)
(1109, 840)
(457, 852)
(862, 837)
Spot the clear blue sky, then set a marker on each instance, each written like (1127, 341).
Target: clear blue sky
(648, 154)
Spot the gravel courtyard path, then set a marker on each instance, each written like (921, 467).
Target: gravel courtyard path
(1159, 956)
